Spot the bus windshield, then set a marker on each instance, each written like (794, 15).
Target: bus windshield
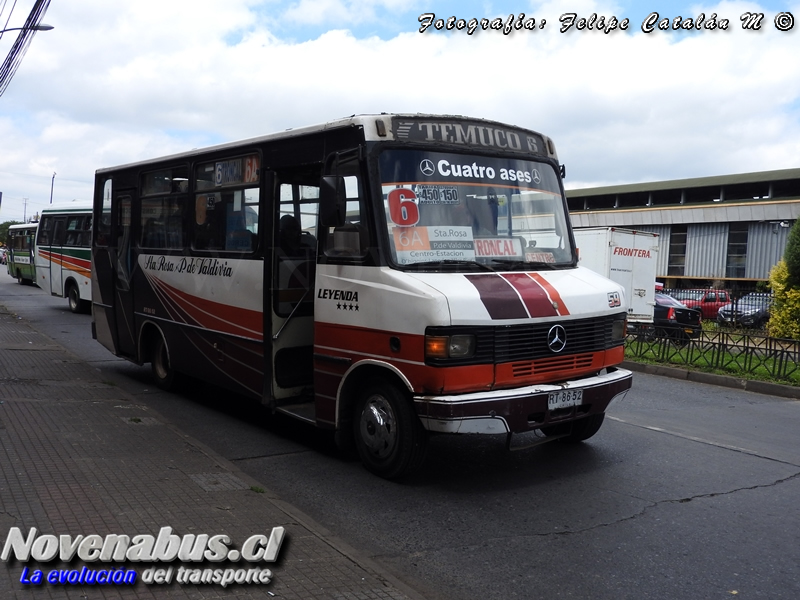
(444, 208)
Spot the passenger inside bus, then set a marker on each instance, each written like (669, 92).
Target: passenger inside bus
(296, 262)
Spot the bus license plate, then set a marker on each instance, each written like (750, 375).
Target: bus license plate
(564, 399)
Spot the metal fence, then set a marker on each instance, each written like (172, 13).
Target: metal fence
(732, 353)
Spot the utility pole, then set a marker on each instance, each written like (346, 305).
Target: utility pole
(24, 210)
(52, 182)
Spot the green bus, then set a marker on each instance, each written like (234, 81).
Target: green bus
(20, 258)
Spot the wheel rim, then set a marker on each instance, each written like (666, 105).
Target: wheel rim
(73, 298)
(378, 427)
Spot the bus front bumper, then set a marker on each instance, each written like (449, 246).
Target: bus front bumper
(523, 409)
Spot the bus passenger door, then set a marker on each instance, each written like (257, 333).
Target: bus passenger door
(56, 262)
(293, 270)
(123, 264)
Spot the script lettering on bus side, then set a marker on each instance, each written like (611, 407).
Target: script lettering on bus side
(192, 266)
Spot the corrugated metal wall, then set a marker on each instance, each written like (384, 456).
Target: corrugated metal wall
(766, 243)
(706, 249)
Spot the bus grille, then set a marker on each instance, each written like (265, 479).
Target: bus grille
(543, 366)
(527, 344)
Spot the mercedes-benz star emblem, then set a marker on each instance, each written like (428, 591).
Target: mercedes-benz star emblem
(537, 178)
(427, 168)
(556, 338)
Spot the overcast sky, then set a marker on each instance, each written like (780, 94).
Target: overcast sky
(116, 82)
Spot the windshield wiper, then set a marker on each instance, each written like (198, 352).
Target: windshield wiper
(516, 264)
(455, 263)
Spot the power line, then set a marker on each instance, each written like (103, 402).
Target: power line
(20, 46)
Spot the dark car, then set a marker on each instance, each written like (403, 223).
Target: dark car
(750, 311)
(672, 319)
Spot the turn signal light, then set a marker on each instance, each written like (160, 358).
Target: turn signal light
(436, 347)
(454, 346)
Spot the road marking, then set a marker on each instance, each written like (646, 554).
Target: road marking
(703, 441)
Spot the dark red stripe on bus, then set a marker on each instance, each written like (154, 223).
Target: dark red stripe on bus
(552, 292)
(533, 295)
(498, 296)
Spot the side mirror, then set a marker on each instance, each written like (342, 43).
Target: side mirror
(332, 201)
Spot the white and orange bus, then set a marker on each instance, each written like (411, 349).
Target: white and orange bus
(384, 276)
(64, 253)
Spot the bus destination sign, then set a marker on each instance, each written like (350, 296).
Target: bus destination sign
(236, 171)
(468, 133)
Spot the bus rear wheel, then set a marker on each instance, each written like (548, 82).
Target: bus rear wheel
(74, 298)
(163, 373)
(390, 439)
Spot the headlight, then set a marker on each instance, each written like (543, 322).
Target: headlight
(453, 346)
(619, 329)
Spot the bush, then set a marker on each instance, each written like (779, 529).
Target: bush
(784, 321)
(792, 256)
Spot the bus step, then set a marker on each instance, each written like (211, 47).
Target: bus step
(303, 411)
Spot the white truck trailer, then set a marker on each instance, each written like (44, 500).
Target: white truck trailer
(629, 258)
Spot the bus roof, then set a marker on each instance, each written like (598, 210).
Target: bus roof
(377, 127)
(68, 207)
(23, 225)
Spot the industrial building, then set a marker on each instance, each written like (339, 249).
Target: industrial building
(724, 231)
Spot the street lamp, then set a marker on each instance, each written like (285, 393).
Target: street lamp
(18, 50)
(41, 27)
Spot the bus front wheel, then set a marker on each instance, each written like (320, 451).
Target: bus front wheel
(390, 439)
(163, 373)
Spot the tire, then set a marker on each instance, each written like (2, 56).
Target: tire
(163, 373)
(20, 279)
(74, 299)
(389, 437)
(577, 431)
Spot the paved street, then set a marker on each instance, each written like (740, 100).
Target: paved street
(688, 490)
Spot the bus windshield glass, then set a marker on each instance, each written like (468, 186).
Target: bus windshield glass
(445, 208)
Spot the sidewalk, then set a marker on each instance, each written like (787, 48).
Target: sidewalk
(79, 457)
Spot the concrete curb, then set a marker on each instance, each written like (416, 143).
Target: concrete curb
(750, 385)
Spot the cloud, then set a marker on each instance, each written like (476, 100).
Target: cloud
(341, 13)
(115, 83)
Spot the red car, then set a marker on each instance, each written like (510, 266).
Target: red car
(708, 302)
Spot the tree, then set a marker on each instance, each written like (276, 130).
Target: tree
(792, 256)
(4, 230)
(784, 319)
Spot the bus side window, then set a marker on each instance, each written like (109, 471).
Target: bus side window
(351, 240)
(162, 223)
(208, 235)
(86, 234)
(74, 226)
(226, 220)
(45, 231)
(59, 232)
(241, 220)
